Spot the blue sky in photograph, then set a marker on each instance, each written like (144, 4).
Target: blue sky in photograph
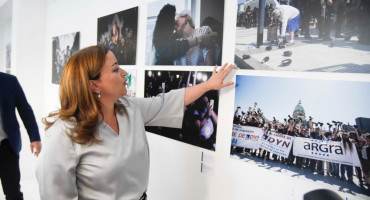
(324, 100)
(241, 1)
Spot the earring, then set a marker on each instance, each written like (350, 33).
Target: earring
(99, 94)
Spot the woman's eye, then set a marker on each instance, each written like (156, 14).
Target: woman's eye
(115, 70)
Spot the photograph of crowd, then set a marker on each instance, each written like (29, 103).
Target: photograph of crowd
(199, 126)
(303, 35)
(131, 82)
(181, 32)
(311, 129)
(118, 32)
(63, 47)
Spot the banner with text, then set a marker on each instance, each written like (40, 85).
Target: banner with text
(246, 136)
(277, 143)
(329, 151)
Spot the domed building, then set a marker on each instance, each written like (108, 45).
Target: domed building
(299, 112)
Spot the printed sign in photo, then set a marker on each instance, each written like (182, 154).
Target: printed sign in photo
(276, 143)
(118, 32)
(329, 151)
(199, 126)
(309, 129)
(63, 47)
(246, 136)
(181, 32)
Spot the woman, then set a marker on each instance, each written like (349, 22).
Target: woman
(347, 144)
(166, 44)
(96, 145)
(289, 17)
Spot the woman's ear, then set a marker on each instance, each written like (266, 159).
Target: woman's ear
(94, 86)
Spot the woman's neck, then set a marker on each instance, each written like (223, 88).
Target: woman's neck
(109, 116)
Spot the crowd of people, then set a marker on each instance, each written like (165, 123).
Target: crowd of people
(348, 18)
(61, 55)
(121, 37)
(200, 118)
(298, 127)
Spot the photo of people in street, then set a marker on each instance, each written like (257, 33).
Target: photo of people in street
(311, 129)
(118, 32)
(187, 33)
(303, 35)
(63, 47)
(199, 126)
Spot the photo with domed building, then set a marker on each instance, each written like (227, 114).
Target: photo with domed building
(310, 129)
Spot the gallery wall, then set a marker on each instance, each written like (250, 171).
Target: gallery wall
(177, 170)
(23, 27)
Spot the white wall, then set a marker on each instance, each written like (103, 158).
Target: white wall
(28, 55)
(5, 39)
(175, 167)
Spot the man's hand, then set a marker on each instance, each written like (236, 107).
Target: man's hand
(207, 39)
(36, 148)
(281, 41)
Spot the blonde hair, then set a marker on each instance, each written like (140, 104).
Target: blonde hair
(79, 105)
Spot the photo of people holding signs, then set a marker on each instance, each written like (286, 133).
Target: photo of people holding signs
(312, 129)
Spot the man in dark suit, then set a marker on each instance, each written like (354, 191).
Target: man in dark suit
(11, 97)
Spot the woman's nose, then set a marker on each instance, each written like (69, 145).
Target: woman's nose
(123, 73)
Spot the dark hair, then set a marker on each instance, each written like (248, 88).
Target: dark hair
(164, 25)
(347, 143)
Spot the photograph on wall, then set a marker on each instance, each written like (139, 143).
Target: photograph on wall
(309, 36)
(199, 126)
(314, 130)
(187, 33)
(118, 32)
(131, 82)
(8, 56)
(63, 47)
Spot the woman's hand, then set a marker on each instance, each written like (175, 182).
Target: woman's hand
(216, 81)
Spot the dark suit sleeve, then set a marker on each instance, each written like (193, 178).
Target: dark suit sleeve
(26, 113)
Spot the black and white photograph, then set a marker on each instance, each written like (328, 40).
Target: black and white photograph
(199, 126)
(63, 47)
(300, 35)
(317, 131)
(118, 32)
(186, 33)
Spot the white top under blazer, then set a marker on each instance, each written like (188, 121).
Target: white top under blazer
(118, 168)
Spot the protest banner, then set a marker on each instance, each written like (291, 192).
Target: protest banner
(246, 136)
(277, 143)
(330, 151)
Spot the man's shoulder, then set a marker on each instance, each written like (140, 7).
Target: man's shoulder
(203, 29)
(5, 76)
(7, 79)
